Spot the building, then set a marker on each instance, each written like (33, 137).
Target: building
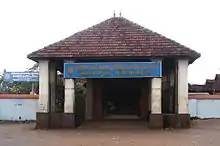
(210, 86)
(197, 88)
(130, 71)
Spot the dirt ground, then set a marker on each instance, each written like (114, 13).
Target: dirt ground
(202, 133)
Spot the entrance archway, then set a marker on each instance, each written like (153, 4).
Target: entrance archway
(121, 98)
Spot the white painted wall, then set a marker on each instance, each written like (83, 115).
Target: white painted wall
(12, 109)
(205, 108)
(193, 107)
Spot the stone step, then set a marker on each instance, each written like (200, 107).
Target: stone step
(114, 125)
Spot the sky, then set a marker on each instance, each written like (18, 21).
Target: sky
(29, 25)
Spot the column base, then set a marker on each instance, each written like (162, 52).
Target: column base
(55, 121)
(183, 121)
(177, 121)
(156, 121)
(68, 120)
(42, 120)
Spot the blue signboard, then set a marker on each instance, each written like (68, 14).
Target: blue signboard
(113, 70)
(21, 76)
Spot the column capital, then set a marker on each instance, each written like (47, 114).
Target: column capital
(183, 61)
(157, 59)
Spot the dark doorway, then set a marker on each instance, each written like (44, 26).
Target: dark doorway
(121, 98)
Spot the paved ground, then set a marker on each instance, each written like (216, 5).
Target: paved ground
(203, 133)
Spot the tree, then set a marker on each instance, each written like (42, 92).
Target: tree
(1, 81)
(34, 68)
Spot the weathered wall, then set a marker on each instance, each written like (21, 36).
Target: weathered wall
(18, 109)
(204, 108)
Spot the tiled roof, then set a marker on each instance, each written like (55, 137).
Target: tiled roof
(116, 36)
(199, 88)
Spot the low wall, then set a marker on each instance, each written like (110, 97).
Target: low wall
(22, 107)
(204, 106)
(18, 107)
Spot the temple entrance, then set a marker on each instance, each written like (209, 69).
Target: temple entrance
(121, 98)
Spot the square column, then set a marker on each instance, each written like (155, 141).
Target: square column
(183, 86)
(54, 117)
(89, 99)
(53, 82)
(183, 113)
(156, 117)
(42, 115)
(68, 120)
(156, 96)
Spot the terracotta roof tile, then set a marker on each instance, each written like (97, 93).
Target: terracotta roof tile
(116, 36)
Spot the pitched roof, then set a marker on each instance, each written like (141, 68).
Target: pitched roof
(209, 81)
(116, 36)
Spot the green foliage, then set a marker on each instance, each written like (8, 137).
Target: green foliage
(34, 68)
(17, 87)
(80, 90)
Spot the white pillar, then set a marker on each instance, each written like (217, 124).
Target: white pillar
(53, 78)
(156, 92)
(43, 102)
(69, 100)
(156, 95)
(183, 86)
(89, 99)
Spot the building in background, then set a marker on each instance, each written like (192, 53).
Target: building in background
(210, 86)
